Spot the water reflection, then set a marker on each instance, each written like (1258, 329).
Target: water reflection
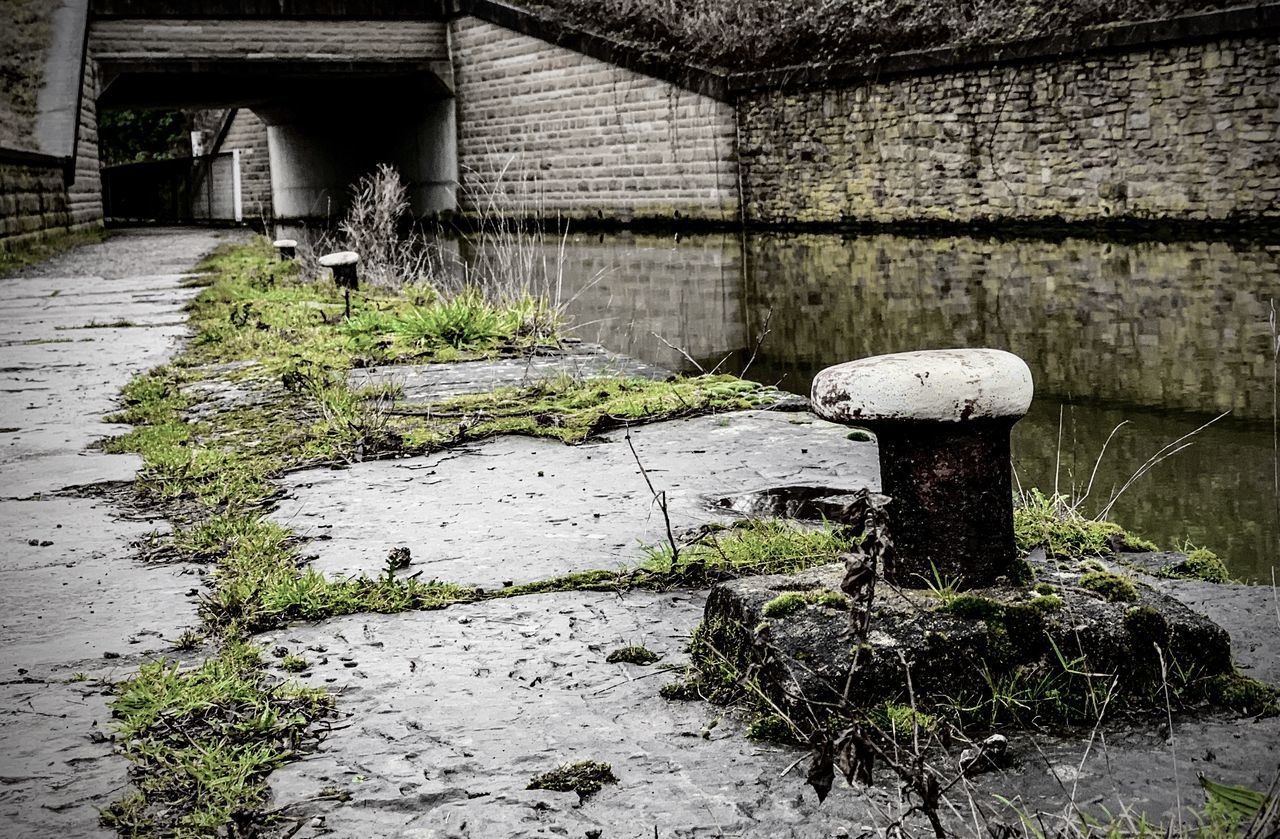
(1159, 336)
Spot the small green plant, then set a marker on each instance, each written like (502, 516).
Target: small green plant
(1112, 587)
(79, 676)
(944, 588)
(584, 777)
(188, 640)
(293, 663)
(858, 436)
(896, 719)
(467, 322)
(633, 654)
(772, 728)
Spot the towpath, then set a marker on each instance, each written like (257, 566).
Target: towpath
(75, 607)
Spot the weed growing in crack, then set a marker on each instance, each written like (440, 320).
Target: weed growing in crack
(203, 740)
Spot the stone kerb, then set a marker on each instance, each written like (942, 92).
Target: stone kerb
(942, 419)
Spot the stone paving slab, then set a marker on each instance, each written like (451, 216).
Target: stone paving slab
(521, 509)
(447, 715)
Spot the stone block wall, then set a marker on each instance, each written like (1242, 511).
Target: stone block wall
(1183, 132)
(36, 200)
(249, 134)
(84, 197)
(33, 200)
(136, 39)
(572, 135)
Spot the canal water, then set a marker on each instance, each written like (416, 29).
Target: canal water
(1136, 343)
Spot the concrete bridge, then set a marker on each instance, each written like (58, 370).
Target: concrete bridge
(445, 91)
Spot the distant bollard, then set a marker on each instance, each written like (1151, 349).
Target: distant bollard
(288, 248)
(343, 264)
(942, 419)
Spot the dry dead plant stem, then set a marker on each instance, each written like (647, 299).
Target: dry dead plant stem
(659, 498)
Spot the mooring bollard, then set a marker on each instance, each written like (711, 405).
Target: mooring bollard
(942, 419)
(288, 248)
(343, 264)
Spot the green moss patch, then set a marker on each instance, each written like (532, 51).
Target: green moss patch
(772, 728)
(1112, 587)
(1052, 523)
(1244, 694)
(793, 601)
(753, 547)
(1200, 564)
(584, 777)
(633, 654)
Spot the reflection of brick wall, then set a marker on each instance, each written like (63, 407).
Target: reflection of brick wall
(627, 287)
(582, 137)
(1181, 132)
(249, 134)
(35, 199)
(1171, 326)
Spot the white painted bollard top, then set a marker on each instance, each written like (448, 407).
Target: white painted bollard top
(334, 260)
(285, 243)
(929, 385)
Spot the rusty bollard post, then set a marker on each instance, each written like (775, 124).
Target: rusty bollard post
(288, 248)
(343, 264)
(942, 419)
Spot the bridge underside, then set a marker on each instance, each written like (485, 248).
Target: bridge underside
(328, 123)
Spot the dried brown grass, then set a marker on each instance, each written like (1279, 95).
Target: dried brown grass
(755, 34)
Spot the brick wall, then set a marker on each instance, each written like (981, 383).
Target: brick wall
(249, 134)
(580, 137)
(264, 40)
(1187, 132)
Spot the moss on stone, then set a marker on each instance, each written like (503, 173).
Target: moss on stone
(1112, 587)
(1046, 603)
(858, 436)
(1016, 631)
(584, 777)
(633, 654)
(681, 690)
(1146, 626)
(1044, 588)
(793, 601)
(1200, 564)
(1242, 693)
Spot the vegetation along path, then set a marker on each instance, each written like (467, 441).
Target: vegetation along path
(387, 599)
(77, 612)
